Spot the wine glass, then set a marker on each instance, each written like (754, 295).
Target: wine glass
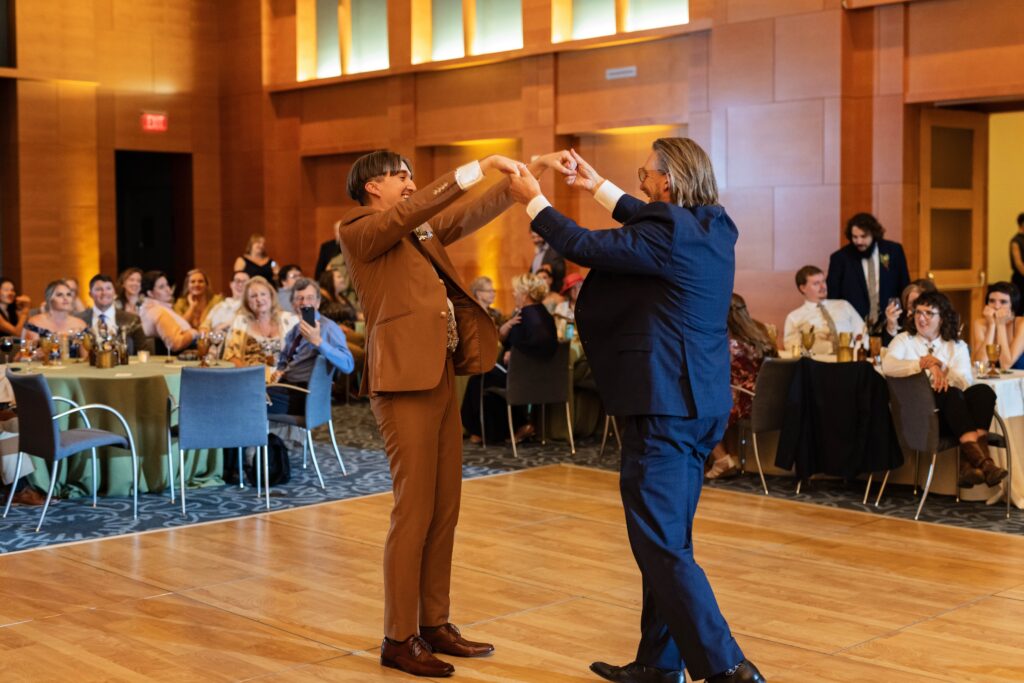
(807, 340)
(6, 346)
(46, 345)
(216, 342)
(203, 347)
(992, 352)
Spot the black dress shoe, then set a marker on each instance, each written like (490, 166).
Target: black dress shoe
(744, 672)
(635, 672)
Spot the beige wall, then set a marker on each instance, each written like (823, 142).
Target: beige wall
(1005, 189)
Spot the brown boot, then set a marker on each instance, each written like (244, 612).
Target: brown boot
(413, 656)
(446, 639)
(971, 458)
(993, 472)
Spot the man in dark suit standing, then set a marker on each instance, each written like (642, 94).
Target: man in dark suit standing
(105, 320)
(869, 272)
(652, 319)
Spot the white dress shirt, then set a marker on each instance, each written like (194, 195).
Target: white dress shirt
(110, 315)
(905, 352)
(845, 316)
(220, 316)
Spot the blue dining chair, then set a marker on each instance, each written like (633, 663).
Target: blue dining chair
(223, 408)
(317, 412)
(39, 434)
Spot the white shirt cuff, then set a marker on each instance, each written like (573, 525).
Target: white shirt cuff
(469, 175)
(608, 195)
(536, 205)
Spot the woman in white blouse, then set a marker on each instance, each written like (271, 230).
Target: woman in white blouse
(931, 345)
(159, 318)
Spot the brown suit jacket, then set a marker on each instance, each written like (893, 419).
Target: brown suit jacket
(404, 301)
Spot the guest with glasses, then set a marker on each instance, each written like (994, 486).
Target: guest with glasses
(483, 291)
(999, 325)
(221, 316)
(932, 345)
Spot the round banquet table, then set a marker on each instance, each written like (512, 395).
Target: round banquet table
(139, 392)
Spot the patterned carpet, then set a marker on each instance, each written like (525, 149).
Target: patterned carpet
(362, 450)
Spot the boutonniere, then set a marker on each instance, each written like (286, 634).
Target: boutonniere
(884, 258)
(423, 233)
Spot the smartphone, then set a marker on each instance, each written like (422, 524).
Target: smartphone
(309, 315)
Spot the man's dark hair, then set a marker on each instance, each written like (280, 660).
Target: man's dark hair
(1007, 288)
(149, 280)
(949, 330)
(867, 223)
(285, 271)
(373, 165)
(100, 278)
(804, 273)
(1020, 220)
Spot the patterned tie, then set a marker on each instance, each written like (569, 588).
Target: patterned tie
(872, 292)
(103, 329)
(831, 326)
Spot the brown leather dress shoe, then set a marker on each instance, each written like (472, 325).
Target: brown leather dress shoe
(446, 639)
(413, 656)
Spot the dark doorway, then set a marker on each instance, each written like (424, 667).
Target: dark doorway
(154, 212)
(6, 33)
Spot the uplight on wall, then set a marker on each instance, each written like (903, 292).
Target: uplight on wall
(498, 26)
(644, 14)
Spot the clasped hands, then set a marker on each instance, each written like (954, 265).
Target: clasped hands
(938, 374)
(523, 177)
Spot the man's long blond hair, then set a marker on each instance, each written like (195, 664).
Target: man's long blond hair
(690, 176)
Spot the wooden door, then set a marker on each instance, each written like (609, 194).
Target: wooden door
(954, 155)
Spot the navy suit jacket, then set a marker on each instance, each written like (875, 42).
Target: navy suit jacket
(652, 312)
(846, 276)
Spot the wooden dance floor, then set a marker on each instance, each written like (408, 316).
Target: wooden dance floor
(542, 569)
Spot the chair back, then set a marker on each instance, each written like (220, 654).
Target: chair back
(913, 412)
(222, 408)
(538, 380)
(318, 401)
(38, 432)
(768, 407)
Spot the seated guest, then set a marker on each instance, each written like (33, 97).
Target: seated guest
(258, 331)
(24, 492)
(57, 318)
(827, 316)
(197, 300)
(931, 345)
(129, 290)
(105, 320)
(531, 329)
(159, 319)
(749, 344)
(483, 291)
(13, 308)
(302, 345)
(287, 277)
(998, 325)
(77, 305)
(571, 287)
(553, 298)
(338, 302)
(221, 316)
(907, 298)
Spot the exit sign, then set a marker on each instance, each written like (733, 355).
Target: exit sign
(154, 121)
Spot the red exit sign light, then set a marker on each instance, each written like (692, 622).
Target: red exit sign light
(154, 121)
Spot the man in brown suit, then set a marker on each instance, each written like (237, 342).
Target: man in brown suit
(422, 328)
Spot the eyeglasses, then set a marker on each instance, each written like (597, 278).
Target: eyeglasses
(642, 173)
(926, 313)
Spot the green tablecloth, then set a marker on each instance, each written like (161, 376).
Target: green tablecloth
(139, 392)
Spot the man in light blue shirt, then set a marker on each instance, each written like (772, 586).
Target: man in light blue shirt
(301, 347)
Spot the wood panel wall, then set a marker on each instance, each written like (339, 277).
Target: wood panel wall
(807, 109)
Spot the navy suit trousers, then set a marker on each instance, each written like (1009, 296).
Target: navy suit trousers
(661, 478)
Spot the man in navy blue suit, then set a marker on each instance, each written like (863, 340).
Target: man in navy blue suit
(652, 319)
(869, 272)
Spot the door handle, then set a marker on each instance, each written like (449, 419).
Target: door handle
(982, 277)
(930, 275)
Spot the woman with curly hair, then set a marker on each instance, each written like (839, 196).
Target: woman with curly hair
(932, 345)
